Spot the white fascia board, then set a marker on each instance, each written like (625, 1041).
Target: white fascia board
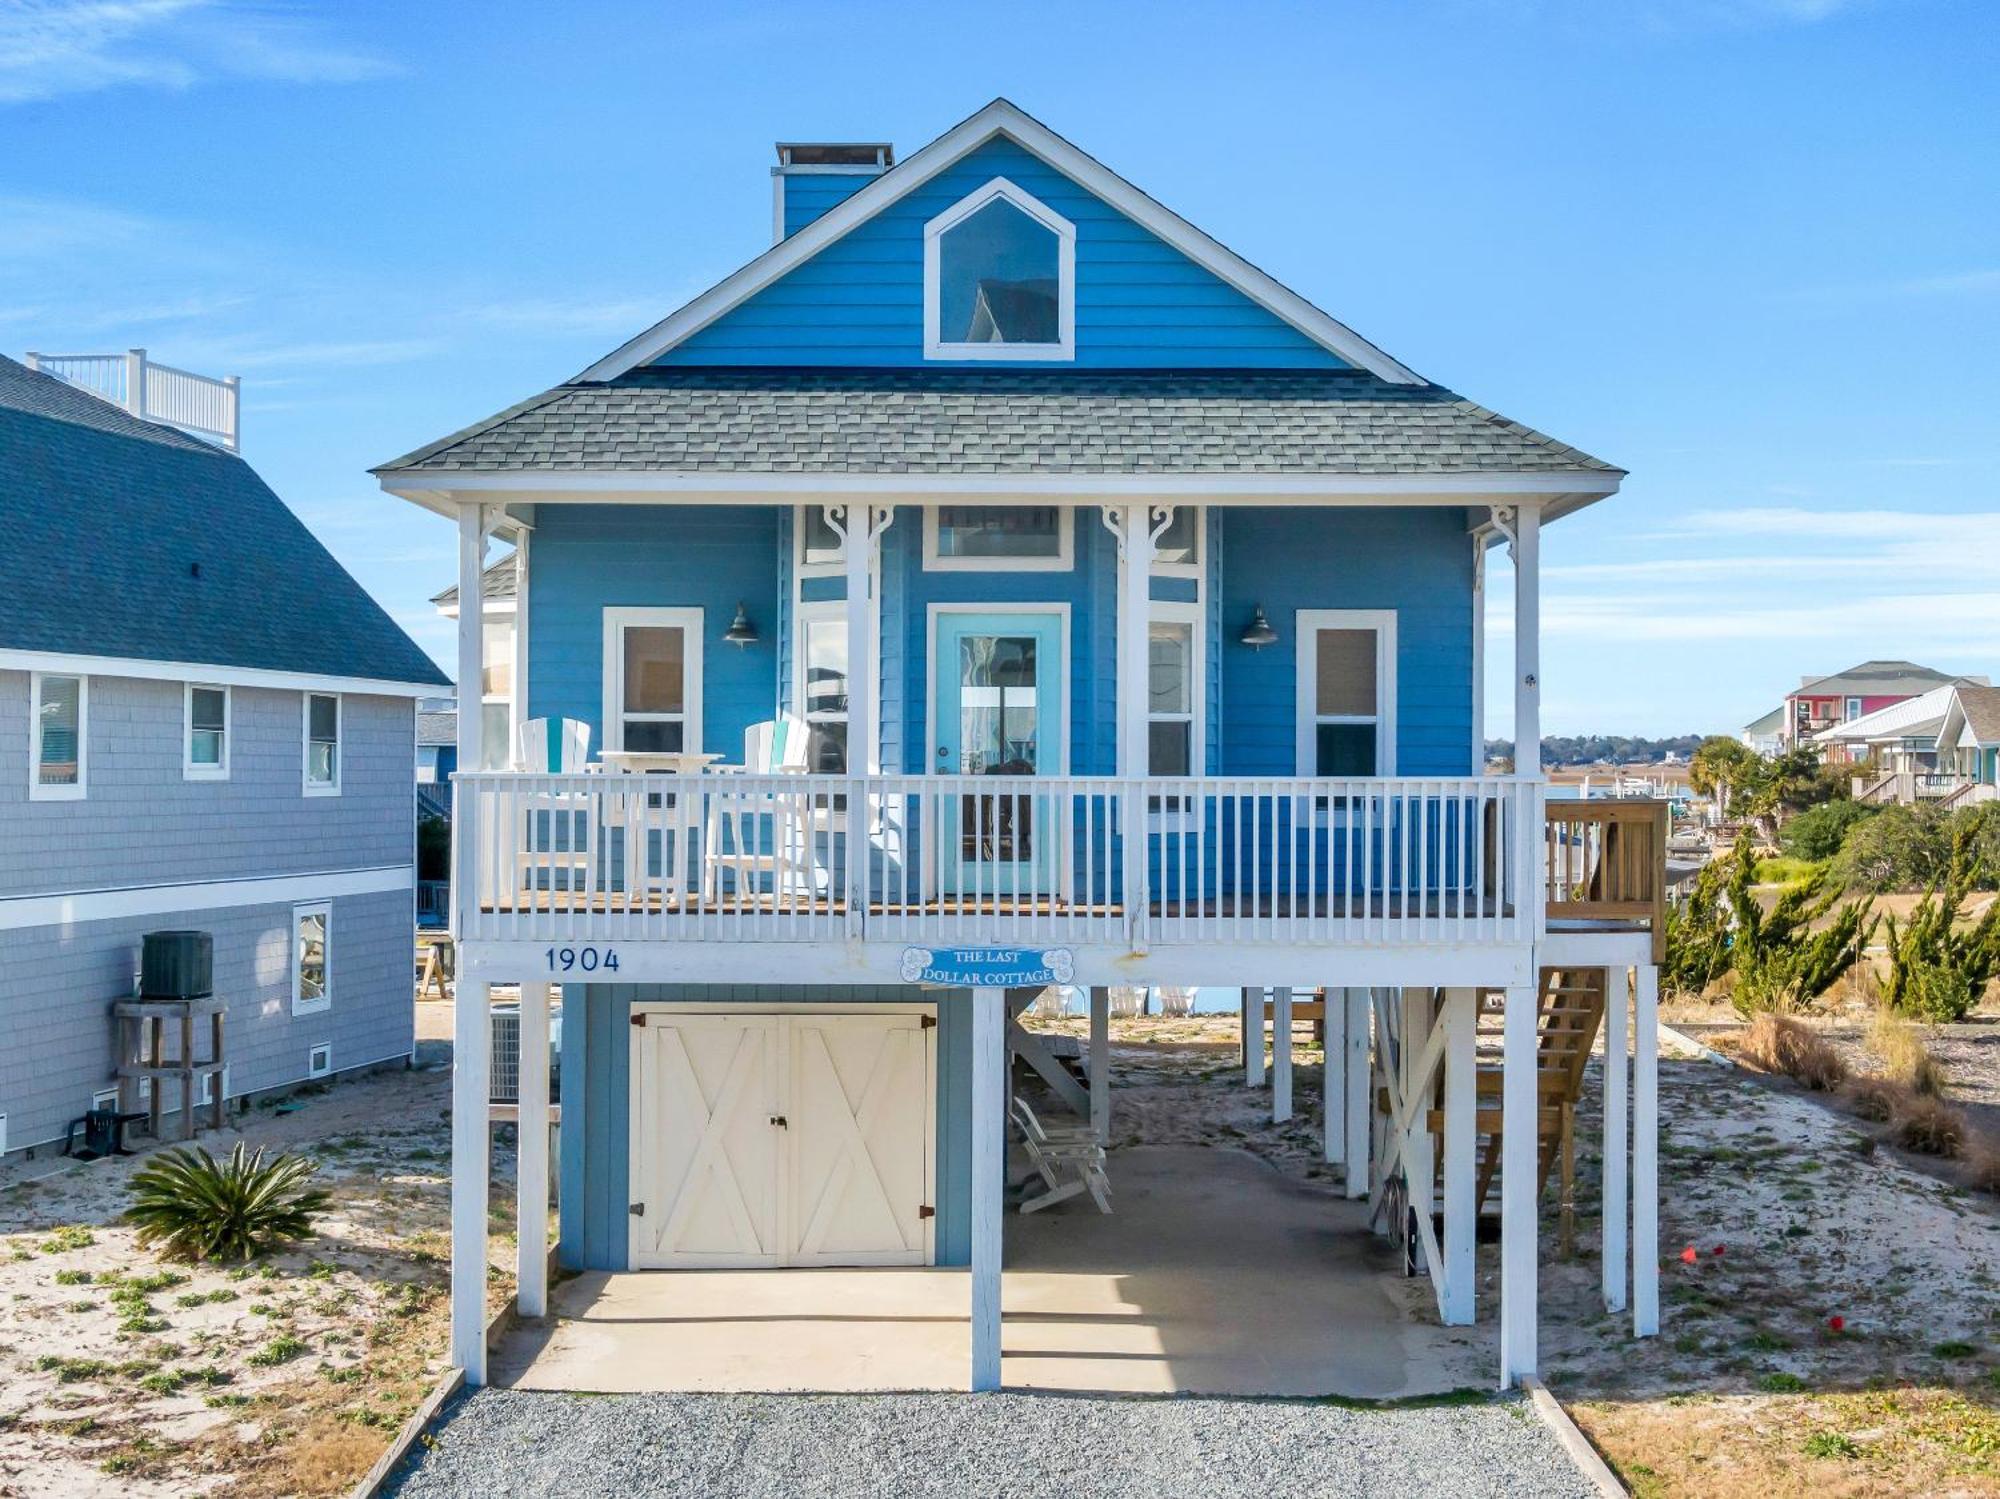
(997, 119)
(209, 674)
(72, 907)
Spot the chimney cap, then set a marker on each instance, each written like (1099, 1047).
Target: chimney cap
(876, 155)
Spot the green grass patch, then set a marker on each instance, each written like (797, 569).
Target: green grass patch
(278, 1350)
(1953, 1349)
(1831, 1444)
(72, 1277)
(71, 1236)
(1778, 1382)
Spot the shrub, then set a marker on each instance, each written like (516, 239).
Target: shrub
(1780, 1045)
(1899, 847)
(1818, 832)
(1930, 1126)
(1875, 1099)
(1982, 1164)
(1830, 1444)
(195, 1207)
(1905, 1058)
(1939, 967)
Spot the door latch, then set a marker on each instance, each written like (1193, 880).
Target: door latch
(637, 1210)
(779, 1121)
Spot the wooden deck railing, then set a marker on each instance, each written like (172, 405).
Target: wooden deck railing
(1607, 861)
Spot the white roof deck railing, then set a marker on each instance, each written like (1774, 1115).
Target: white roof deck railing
(200, 405)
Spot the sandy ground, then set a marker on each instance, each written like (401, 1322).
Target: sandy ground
(1747, 1380)
(123, 1374)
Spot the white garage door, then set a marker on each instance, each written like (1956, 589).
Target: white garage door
(796, 1138)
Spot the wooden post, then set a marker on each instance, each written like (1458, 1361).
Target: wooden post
(858, 539)
(471, 644)
(1333, 1077)
(1420, 1150)
(531, 1172)
(1461, 1105)
(1528, 643)
(1519, 1176)
(220, 1103)
(1253, 1038)
(187, 1072)
(1100, 1063)
(517, 701)
(1646, 1152)
(1355, 1002)
(1617, 1194)
(989, 1139)
(1281, 1055)
(472, 1046)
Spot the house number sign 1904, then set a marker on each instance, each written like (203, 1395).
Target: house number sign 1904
(583, 959)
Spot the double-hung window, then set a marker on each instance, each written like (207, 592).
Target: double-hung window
(61, 708)
(205, 753)
(312, 962)
(322, 743)
(1173, 697)
(652, 680)
(1346, 692)
(820, 687)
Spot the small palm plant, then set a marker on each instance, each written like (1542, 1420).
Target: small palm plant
(197, 1208)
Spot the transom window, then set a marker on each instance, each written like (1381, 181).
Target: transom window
(1347, 692)
(56, 770)
(998, 538)
(207, 757)
(999, 278)
(652, 680)
(1177, 552)
(820, 547)
(322, 730)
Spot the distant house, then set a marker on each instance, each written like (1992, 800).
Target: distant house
(1968, 743)
(1818, 704)
(499, 589)
(211, 726)
(1936, 747)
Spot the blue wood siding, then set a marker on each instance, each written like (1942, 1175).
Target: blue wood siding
(810, 194)
(1139, 302)
(595, 1146)
(1416, 561)
(588, 558)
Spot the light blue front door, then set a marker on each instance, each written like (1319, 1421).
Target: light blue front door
(999, 699)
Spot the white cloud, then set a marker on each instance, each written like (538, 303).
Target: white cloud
(49, 48)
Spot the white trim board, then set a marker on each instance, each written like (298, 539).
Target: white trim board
(208, 674)
(75, 907)
(1000, 118)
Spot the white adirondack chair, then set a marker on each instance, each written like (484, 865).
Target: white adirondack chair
(558, 831)
(757, 835)
(1067, 1158)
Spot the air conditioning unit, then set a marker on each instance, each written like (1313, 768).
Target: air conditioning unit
(176, 965)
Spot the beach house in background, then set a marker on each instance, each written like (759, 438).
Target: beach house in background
(997, 582)
(210, 726)
(1936, 747)
(1821, 704)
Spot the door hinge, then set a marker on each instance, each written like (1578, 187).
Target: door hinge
(927, 1022)
(779, 1121)
(638, 1017)
(927, 1211)
(637, 1210)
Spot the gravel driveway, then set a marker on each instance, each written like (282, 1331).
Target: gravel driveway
(504, 1442)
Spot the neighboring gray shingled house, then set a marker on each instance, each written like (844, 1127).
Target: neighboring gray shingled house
(211, 726)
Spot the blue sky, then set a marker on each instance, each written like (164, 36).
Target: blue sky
(1747, 249)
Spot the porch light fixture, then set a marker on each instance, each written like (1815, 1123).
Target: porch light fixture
(1258, 633)
(741, 631)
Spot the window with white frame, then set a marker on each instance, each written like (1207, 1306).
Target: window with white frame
(205, 754)
(1173, 691)
(61, 708)
(820, 551)
(1853, 708)
(652, 680)
(312, 958)
(1177, 550)
(820, 684)
(1000, 278)
(1346, 692)
(322, 743)
(999, 538)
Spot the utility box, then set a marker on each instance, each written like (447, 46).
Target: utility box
(177, 965)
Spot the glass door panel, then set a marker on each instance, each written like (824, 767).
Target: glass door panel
(998, 712)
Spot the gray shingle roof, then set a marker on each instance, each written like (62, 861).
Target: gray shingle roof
(437, 727)
(123, 538)
(798, 421)
(1876, 679)
(1981, 706)
(499, 581)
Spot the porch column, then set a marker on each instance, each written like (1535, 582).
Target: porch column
(1281, 1055)
(1333, 1077)
(1253, 1038)
(472, 1039)
(1528, 642)
(1355, 1002)
(531, 1169)
(989, 1144)
(1100, 1063)
(1519, 1176)
(1646, 1152)
(1418, 1091)
(472, 522)
(860, 527)
(1137, 528)
(1461, 1220)
(1617, 1199)
(517, 701)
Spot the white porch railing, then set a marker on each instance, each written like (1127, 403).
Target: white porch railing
(199, 404)
(997, 859)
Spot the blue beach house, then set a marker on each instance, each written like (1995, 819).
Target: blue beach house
(999, 581)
